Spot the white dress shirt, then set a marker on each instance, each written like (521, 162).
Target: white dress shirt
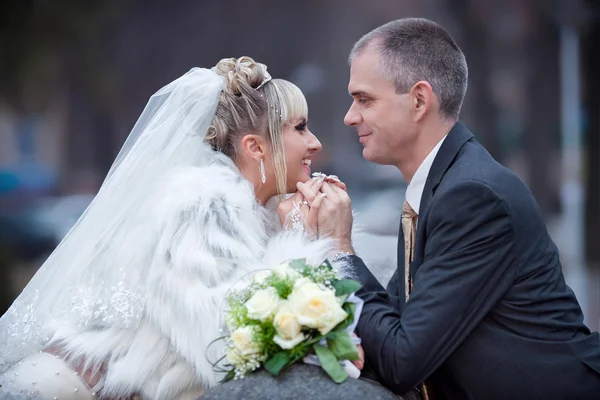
(414, 192)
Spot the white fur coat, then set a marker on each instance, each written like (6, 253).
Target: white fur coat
(211, 234)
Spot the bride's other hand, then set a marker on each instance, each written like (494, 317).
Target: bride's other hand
(286, 206)
(297, 210)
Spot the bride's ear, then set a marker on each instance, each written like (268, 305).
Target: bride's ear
(254, 146)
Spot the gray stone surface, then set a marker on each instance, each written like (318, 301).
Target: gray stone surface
(300, 381)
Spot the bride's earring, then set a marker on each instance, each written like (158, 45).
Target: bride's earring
(263, 177)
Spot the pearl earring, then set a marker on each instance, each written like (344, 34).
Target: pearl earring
(262, 171)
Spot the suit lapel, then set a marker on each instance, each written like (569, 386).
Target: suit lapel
(457, 137)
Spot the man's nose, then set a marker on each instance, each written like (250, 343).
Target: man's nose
(352, 117)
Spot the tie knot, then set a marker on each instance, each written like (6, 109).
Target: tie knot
(407, 211)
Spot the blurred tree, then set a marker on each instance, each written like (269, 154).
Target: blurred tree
(47, 47)
(54, 49)
(34, 37)
(22, 49)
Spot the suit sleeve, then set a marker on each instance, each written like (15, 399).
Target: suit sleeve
(372, 287)
(467, 268)
(395, 290)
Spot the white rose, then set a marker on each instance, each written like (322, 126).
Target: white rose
(243, 341)
(263, 304)
(284, 270)
(289, 332)
(233, 356)
(315, 307)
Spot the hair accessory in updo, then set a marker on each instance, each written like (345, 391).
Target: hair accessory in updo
(267, 79)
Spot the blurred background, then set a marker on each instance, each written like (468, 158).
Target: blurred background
(74, 77)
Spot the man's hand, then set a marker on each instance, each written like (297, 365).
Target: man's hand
(334, 212)
(360, 364)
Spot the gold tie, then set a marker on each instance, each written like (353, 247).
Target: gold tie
(409, 228)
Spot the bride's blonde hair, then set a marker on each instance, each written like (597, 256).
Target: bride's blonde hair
(248, 105)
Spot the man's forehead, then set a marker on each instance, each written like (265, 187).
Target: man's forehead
(364, 73)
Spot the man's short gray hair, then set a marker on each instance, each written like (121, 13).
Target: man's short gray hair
(415, 49)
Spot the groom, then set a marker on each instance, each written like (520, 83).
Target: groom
(478, 307)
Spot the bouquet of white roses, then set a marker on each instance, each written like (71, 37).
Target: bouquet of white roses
(289, 313)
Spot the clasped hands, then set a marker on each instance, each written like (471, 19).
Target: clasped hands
(324, 207)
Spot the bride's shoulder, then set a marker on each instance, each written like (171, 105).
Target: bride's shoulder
(193, 187)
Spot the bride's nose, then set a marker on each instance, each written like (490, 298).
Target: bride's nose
(314, 144)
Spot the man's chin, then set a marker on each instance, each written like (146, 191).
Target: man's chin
(367, 155)
(374, 157)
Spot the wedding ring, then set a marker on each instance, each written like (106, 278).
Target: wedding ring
(304, 202)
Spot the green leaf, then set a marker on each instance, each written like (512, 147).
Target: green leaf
(229, 376)
(330, 364)
(343, 347)
(350, 308)
(276, 363)
(283, 287)
(298, 265)
(345, 287)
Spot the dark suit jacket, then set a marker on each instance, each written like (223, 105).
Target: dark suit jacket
(489, 316)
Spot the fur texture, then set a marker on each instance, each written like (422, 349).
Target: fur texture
(211, 235)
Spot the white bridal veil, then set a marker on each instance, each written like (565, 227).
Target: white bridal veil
(96, 276)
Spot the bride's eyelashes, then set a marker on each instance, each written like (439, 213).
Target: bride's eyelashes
(301, 127)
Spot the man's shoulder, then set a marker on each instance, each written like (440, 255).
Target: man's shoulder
(475, 165)
(476, 172)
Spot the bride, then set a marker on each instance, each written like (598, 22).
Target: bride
(128, 303)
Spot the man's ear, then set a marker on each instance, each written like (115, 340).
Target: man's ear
(422, 97)
(254, 146)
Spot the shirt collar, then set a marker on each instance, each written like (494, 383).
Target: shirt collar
(414, 192)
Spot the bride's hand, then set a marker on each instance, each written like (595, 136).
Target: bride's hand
(295, 213)
(298, 212)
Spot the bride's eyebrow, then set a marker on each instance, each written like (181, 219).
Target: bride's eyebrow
(300, 121)
(297, 122)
